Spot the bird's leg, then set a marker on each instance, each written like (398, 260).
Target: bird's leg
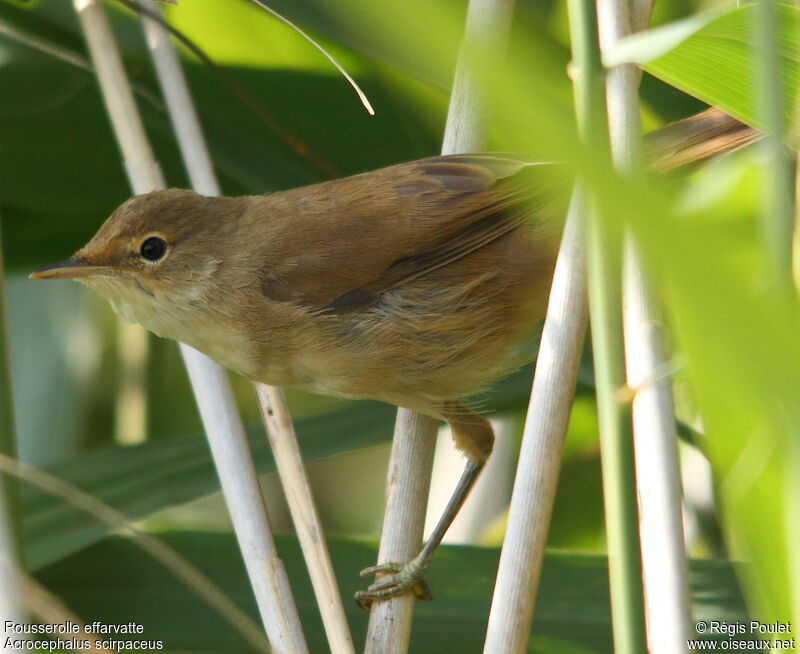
(473, 435)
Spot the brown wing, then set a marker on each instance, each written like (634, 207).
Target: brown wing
(697, 138)
(348, 241)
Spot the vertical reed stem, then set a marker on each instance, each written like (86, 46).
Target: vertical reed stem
(272, 403)
(664, 564)
(408, 483)
(10, 517)
(539, 463)
(9, 490)
(605, 294)
(210, 385)
(780, 216)
(777, 167)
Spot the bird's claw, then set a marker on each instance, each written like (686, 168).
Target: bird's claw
(396, 579)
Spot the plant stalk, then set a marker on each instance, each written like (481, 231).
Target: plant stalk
(776, 166)
(11, 552)
(664, 564)
(411, 461)
(605, 294)
(781, 239)
(271, 401)
(212, 390)
(536, 479)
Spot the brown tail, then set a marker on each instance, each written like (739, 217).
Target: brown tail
(697, 138)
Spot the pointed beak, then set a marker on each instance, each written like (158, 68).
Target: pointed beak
(69, 269)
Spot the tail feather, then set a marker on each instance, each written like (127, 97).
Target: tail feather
(694, 139)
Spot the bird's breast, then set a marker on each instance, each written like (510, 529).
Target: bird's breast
(212, 333)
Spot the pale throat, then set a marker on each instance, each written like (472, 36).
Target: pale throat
(178, 318)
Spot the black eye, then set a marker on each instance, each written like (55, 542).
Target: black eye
(153, 248)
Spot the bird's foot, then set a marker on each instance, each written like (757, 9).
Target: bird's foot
(396, 579)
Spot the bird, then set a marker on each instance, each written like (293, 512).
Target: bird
(418, 284)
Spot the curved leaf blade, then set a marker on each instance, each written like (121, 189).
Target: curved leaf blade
(710, 56)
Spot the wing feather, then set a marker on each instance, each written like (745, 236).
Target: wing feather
(362, 236)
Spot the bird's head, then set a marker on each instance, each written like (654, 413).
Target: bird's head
(157, 251)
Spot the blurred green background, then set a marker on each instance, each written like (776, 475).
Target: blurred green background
(127, 429)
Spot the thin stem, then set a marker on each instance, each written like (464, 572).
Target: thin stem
(212, 390)
(47, 47)
(605, 293)
(10, 516)
(411, 461)
(9, 493)
(536, 479)
(487, 28)
(777, 167)
(274, 410)
(664, 563)
(407, 485)
(361, 95)
(306, 520)
(616, 441)
(46, 607)
(779, 215)
(169, 558)
(260, 112)
(792, 463)
(67, 56)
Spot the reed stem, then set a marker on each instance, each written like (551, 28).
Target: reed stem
(11, 551)
(272, 403)
(664, 564)
(408, 483)
(536, 480)
(212, 390)
(605, 295)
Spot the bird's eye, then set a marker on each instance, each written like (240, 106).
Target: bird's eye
(153, 248)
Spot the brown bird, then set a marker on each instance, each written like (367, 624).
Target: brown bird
(416, 284)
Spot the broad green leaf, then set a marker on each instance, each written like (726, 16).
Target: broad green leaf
(52, 204)
(141, 479)
(643, 47)
(244, 34)
(61, 170)
(32, 84)
(710, 56)
(114, 582)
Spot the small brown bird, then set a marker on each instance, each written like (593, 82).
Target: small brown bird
(416, 285)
